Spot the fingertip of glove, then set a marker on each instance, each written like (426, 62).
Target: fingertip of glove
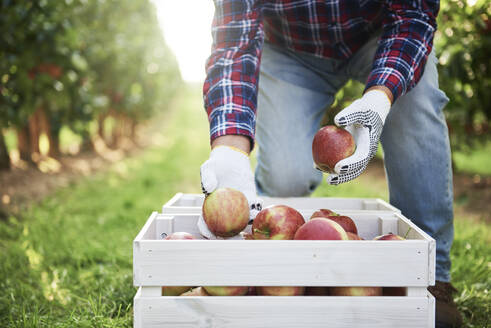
(333, 179)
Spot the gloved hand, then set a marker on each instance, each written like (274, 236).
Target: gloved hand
(228, 167)
(364, 119)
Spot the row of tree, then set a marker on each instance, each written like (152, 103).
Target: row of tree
(71, 62)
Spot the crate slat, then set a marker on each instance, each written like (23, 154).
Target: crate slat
(289, 262)
(192, 203)
(280, 311)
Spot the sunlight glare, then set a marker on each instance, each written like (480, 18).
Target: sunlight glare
(187, 31)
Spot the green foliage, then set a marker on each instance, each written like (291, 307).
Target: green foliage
(463, 44)
(79, 58)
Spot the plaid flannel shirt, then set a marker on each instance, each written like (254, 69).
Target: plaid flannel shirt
(328, 29)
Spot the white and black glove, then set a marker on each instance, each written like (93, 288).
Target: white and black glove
(364, 119)
(228, 167)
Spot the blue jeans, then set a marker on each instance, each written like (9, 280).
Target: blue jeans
(294, 91)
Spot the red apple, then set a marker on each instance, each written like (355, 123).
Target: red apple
(277, 222)
(317, 291)
(394, 291)
(280, 291)
(323, 213)
(179, 235)
(353, 236)
(330, 145)
(226, 291)
(355, 291)
(174, 290)
(251, 291)
(389, 236)
(346, 222)
(321, 229)
(198, 291)
(226, 212)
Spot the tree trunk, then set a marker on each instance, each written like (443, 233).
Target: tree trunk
(4, 154)
(23, 144)
(52, 130)
(116, 132)
(100, 125)
(133, 129)
(87, 144)
(54, 143)
(34, 131)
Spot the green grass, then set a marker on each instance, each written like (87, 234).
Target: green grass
(67, 261)
(477, 161)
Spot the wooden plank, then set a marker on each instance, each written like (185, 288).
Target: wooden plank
(165, 226)
(278, 263)
(384, 206)
(191, 203)
(431, 311)
(387, 224)
(149, 229)
(174, 201)
(151, 291)
(406, 227)
(149, 232)
(417, 291)
(283, 312)
(138, 310)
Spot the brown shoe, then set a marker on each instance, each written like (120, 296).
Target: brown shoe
(447, 315)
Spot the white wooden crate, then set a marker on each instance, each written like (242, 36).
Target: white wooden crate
(409, 263)
(192, 203)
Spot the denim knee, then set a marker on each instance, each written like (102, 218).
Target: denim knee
(287, 183)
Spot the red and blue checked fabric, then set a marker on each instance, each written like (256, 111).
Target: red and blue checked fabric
(327, 29)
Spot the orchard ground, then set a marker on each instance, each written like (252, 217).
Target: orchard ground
(67, 258)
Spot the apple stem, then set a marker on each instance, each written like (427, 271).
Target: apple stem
(407, 232)
(262, 232)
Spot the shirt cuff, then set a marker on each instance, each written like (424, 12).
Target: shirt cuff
(232, 123)
(388, 77)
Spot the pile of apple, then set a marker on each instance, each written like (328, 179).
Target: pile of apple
(226, 212)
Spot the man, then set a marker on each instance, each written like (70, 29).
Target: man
(287, 59)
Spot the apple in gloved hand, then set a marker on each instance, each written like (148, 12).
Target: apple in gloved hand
(278, 222)
(226, 212)
(330, 145)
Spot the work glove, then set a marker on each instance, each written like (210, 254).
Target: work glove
(228, 167)
(364, 119)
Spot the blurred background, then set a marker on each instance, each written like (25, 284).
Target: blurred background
(102, 121)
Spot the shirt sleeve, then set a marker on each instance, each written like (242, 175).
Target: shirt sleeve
(405, 44)
(232, 70)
